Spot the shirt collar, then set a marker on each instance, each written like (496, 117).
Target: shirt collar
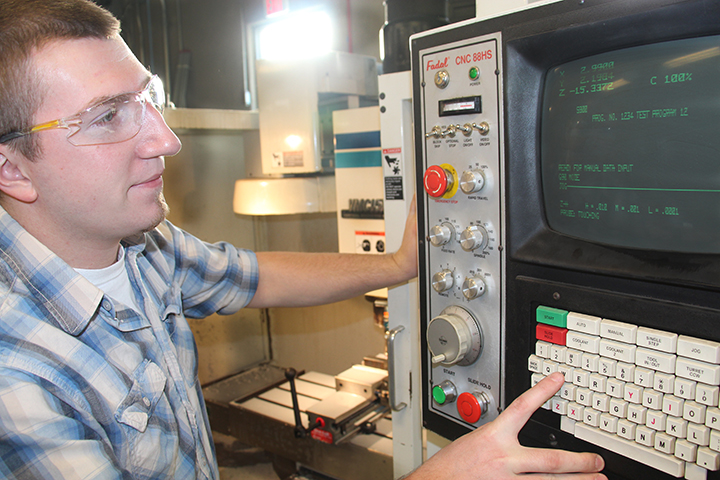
(69, 300)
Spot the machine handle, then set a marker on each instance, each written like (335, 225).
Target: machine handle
(300, 430)
(391, 368)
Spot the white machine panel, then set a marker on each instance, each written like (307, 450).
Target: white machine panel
(462, 177)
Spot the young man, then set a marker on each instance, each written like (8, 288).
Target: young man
(98, 369)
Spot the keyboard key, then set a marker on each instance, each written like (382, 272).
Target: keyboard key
(557, 353)
(708, 459)
(559, 405)
(652, 399)
(712, 418)
(582, 342)
(625, 372)
(607, 367)
(662, 382)
(551, 316)
(550, 334)
(622, 332)
(636, 413)
(542, 349)
(590, 362)
(698, 349)
(655, 420)
(633, 393)
(698, 434)
(615, 388)
(645, 436)
(623, 352)
(694, 412)
(707, 395)
(698, 371)
(663, 362)
(583, 396)
(597, 383)
(618, 408)
(657, 339)
(573, 358)
(673, 405)
(626, 429)
(592, 418)
(568, 391)
(575, 411)
(694, 472)
(601, 402)
(567, 371)
(581, 377)
(535, 363)
(548, 367)
(685, 450)
(583, 323)
(608, 423)
(664, 443)
(677, 427)
(664, 463)
(715, 440)
(644, 377)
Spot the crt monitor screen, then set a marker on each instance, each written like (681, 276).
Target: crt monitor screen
(630, 147)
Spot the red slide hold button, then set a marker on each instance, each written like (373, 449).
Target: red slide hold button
(551, 334)
(469, 408)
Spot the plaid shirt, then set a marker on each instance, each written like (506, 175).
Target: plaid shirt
(90, 388)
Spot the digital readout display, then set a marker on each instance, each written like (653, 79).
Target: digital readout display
(460, 106)
(630, 147)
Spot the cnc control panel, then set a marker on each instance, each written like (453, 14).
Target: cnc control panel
(460, 206)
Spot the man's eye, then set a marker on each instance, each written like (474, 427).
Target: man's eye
(106, 116)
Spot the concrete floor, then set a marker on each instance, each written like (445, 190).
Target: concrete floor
(238, 461)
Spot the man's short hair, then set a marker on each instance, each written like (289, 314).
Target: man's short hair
(25, 27)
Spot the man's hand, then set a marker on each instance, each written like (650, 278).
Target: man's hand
(493, 452)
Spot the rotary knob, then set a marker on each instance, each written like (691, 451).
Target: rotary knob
(442, 78)
(454, 337)
(441, 234)
(473, 287)
(474, 237)
(443, 281)
(472, 181)
(438, 181)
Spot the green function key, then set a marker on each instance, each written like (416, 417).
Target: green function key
(551, 316)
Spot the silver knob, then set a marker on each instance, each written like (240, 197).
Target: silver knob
(443, 281)
(482, 127)
(435, 132)
(472, 181)
(474, 237)
(467, 129)
(442, 78)
(473, 287)
(441, 234)
(454, 337)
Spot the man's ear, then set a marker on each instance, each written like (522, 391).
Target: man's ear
(13, 180)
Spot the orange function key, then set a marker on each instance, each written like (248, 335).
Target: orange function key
(551, 334)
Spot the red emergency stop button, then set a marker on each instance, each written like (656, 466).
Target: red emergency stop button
(469, 407)
(437, 181)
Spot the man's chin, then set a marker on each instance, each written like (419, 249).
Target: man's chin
(164, 210)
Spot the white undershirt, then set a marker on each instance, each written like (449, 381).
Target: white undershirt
(113, 280)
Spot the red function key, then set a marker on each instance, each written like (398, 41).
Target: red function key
(551, 334)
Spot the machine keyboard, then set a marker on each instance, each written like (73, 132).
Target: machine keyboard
(651, 395)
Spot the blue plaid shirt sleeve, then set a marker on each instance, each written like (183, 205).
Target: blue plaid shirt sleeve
(93, 389)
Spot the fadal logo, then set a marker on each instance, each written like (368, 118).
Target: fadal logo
(438, 64)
